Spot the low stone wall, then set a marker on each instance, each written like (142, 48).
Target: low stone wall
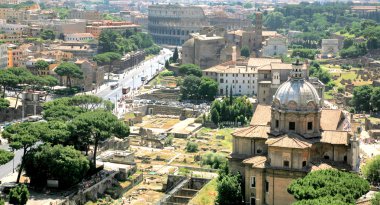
(371, 125)
(10, 114)
(92, 193)
(166, 110)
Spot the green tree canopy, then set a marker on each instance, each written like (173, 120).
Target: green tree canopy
(317, 185)
(55, 132)
(175, 55)
(371, 170)
(229, 187)
(354, 51)
(362, 97)
(375, 99)
(274, 20)
(244, 51)
(19, 195)
(5, 156)
(41, 65)
(124, 42)
(107, 58)
(7, 80)
(190, 69)
(376, 199)
(4, 103)
(214, 160)
(70, 70)
(50, 81)
(22, 136)
(190, 87)
(248, 5)
(96, 126)
(195, 88)
(68, 108)
(47, 35)
(64, 164)
(304, 53)
(323, 75)
(239, 110)
(191, 147)
(208, 88)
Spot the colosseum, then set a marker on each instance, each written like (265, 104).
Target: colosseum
(172, 24)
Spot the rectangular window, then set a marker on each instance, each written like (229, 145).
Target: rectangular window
(286, 163)
(253, 182)
(253, 201)
(266, 186)
(292, 125)
(277, 123)
(310, 126)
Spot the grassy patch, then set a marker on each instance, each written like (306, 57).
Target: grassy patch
(159, 123)
(168, 81)
(207, 195)
(148, 57)
(374, 119)
(129, 115)
(328, 95)
(347, 35)
(226, 132)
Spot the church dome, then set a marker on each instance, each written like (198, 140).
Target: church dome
(297, 94)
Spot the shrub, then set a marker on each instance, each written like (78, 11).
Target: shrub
(214, 160)
(191, 147)
(169, 140)
(190, 69)
(370, 169)
(5, 156)
(166, 73)
(330, 186)
(19, 195)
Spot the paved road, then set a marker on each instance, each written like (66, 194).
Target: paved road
(132, 78)
(7, 168)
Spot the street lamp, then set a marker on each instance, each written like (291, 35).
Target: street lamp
(13, 150)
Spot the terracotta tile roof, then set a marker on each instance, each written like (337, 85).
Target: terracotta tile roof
(335, 137)
(252, 132)
(257, 161)
(230, 68)
(53, 66)
(258, 62)
(287, 141)
(270, 33)
(237, 32)
(79, 35)
(328, 164)
(262, 115)
(330, 119)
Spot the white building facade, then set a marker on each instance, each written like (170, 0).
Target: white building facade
(275, 46)
(3, 56)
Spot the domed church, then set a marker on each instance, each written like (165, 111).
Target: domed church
(285, 141)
